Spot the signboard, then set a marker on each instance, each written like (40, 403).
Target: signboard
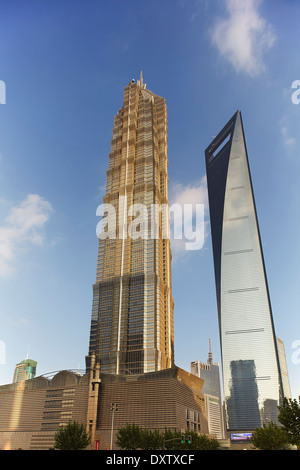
(241, 436)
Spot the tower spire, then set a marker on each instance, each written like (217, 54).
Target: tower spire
(210, 358)
(140, 82)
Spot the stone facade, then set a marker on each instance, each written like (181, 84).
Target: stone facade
(31, 411)
(170, 398)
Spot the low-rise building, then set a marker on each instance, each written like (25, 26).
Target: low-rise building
(31, 411)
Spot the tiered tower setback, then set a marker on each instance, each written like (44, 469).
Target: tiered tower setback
(132, 313)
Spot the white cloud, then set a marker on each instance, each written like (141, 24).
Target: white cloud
(189, 231)
(194, 8)
(23, 227)
(244, 36)
(288, 140)
(189, 194)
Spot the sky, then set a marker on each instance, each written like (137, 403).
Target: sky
(63, 67)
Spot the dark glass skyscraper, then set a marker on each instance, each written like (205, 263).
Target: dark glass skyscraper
(251, 373)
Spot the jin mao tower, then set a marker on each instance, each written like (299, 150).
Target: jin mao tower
(132, 312)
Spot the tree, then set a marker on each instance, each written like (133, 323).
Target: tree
(270, 437)
(129, 437)
(72, 436)
(151, 440)
(205, 443)
(289, 417)
(199, 442)
(132, 437)
(173, 441)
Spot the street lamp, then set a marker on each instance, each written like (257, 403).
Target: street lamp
(113, 408)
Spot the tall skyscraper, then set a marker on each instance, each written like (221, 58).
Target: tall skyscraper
(132, 313)
(250, 361)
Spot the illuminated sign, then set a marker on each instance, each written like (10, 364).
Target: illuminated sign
(241, 436)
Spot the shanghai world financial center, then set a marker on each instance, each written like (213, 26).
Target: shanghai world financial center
(251, 370)
(132, 312)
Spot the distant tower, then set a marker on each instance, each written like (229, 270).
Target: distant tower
(210, 373)
(251, 372)
(25, 370)
(284, 369)
(210, 358)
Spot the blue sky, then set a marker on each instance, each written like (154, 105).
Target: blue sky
(65, 65)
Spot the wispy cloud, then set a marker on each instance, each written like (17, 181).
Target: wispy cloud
(22, 228)
(192, 226)
(195, 7)
(243, 36)
(287, 139)
(285, 126)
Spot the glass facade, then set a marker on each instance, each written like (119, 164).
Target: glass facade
(132, 313)
(210, 373)
(251, 372)
(284, 369)
(25, 370)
